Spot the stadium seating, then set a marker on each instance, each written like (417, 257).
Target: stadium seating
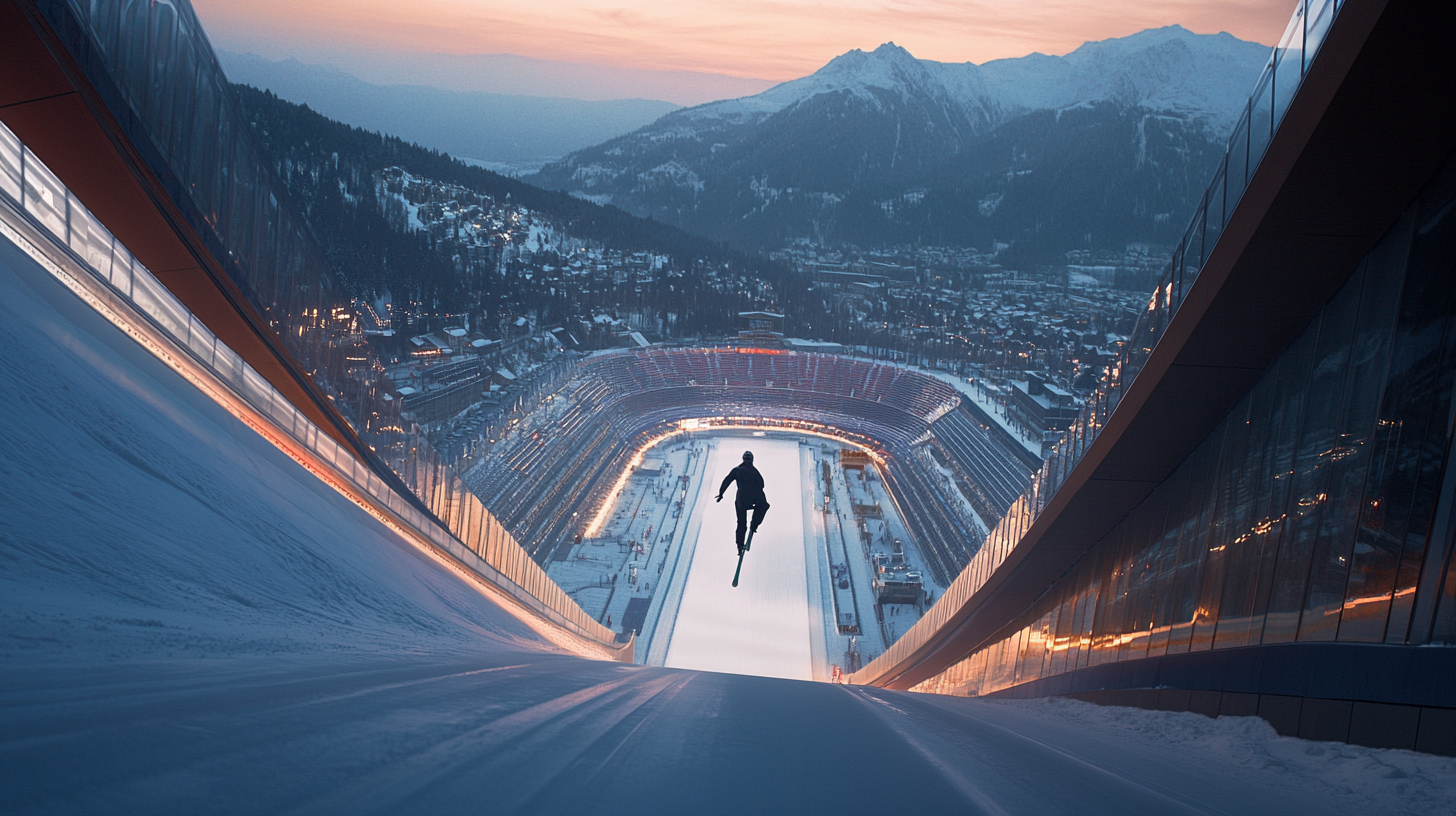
(542, 473)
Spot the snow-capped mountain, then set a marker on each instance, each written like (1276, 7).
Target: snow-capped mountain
(1171, 69)
(880, 146)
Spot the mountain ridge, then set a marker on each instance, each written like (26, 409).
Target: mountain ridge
(1037, 81)
(807, 157)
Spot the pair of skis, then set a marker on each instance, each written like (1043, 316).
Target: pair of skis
(746, 544)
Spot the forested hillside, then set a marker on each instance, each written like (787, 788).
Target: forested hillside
(335, 174)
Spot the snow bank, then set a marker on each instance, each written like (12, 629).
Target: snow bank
(1367, 780)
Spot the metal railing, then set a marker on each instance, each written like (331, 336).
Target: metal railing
(1288, 64)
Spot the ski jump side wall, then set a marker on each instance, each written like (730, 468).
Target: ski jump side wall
(1257, 589)
(46, 221)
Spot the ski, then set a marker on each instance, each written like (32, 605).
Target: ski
(748, 542)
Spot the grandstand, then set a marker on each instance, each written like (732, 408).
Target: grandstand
(549, 475)
(992, 475)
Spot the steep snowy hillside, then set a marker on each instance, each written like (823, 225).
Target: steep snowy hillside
(818, 157)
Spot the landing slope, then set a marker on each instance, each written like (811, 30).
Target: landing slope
(761, 626)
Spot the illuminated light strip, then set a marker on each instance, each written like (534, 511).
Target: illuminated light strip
(220, 393)
(691, 425)
(611, 500)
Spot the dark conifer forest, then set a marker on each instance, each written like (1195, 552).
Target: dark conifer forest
(333, 171)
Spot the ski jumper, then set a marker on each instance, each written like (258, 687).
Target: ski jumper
(750, 497)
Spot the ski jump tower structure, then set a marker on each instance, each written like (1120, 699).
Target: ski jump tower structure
(1253, 514)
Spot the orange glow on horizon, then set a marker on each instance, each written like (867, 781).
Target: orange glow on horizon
(775, 41)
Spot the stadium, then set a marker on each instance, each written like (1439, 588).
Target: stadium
(549, 477)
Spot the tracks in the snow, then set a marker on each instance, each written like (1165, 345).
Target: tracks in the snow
(580, 732)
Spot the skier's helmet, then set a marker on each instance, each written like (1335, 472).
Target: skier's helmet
(748, 456)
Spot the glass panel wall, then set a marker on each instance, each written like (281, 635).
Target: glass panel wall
(1288, 64)
(1307, 514)
(1261, 117)
(1273, 93)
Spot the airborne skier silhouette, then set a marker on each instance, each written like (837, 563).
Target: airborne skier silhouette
(750, 497)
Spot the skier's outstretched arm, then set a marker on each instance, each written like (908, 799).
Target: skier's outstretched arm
(727, 480)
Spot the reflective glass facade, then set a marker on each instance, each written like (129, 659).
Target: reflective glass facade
(152, 65)
(1289, 63)
(1319, 509)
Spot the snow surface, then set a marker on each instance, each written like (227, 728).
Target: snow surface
(189, 623)
(143, 522)
(762, 626)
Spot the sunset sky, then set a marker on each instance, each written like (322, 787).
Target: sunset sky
(773, 40)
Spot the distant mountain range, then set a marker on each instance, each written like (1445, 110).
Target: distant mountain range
(500, 130)
(1110, 144)
(528, 76)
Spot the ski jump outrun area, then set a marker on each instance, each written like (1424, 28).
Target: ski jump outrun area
(761, 626)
